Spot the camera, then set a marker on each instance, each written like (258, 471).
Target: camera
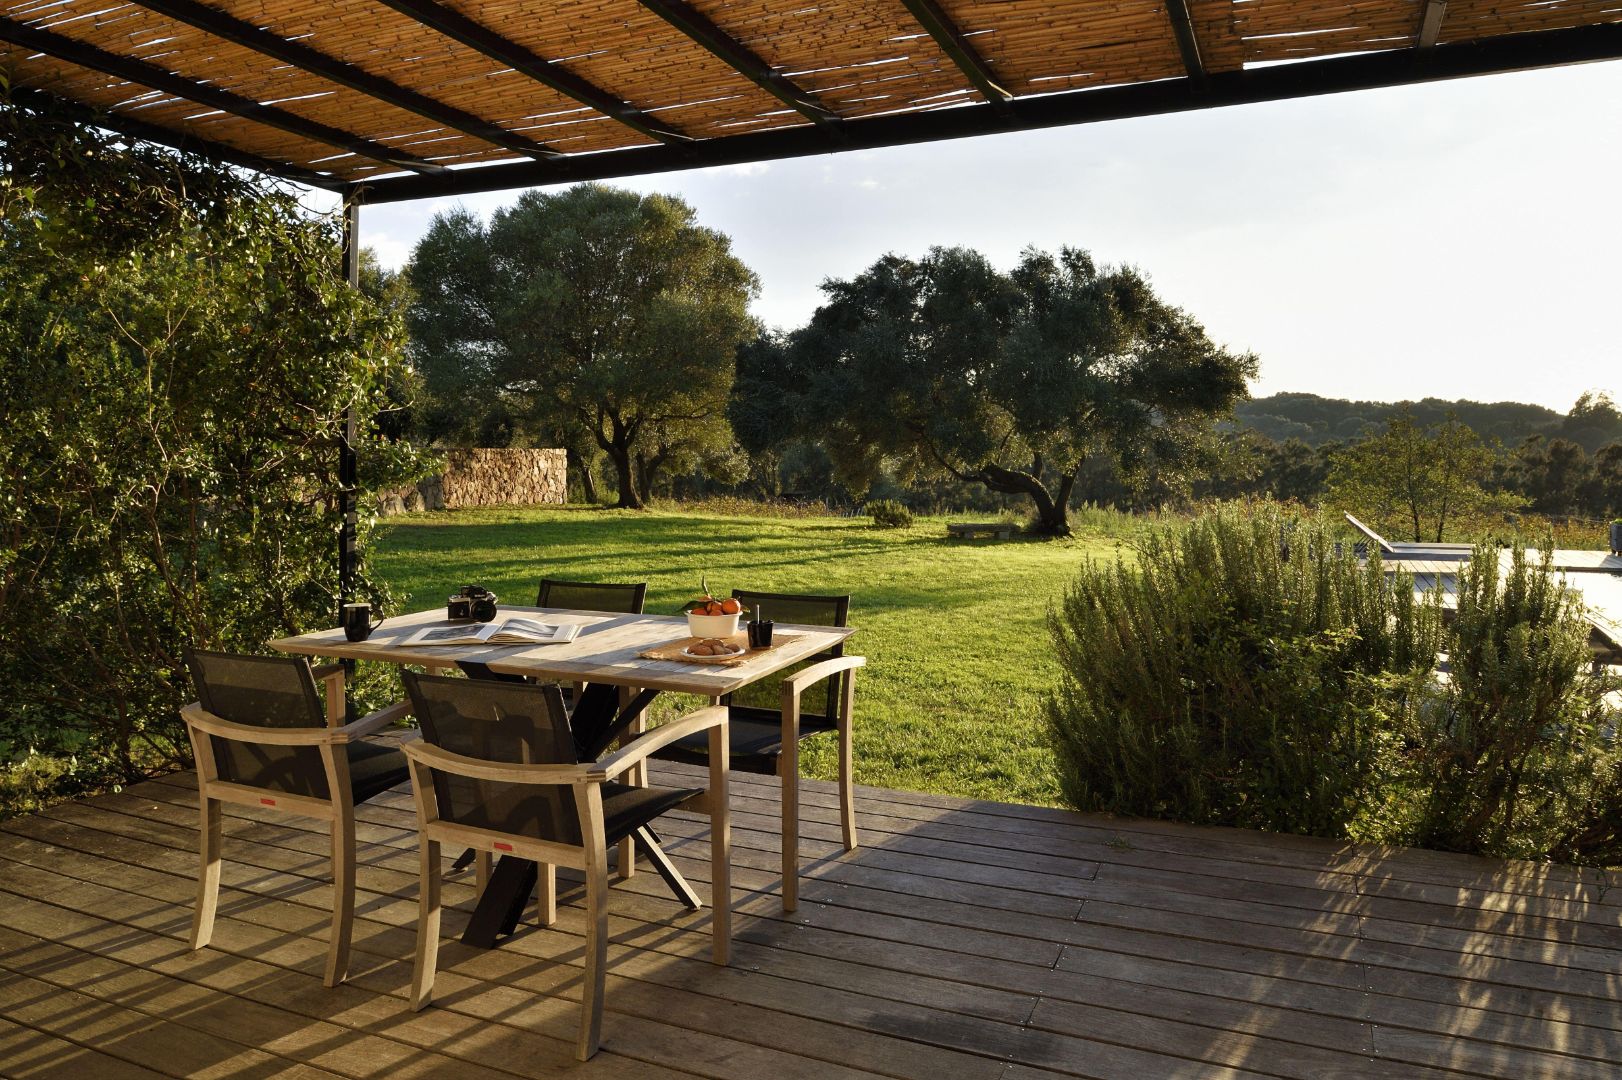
(472, 602)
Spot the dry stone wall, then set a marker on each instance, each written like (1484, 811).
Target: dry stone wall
(486, 477)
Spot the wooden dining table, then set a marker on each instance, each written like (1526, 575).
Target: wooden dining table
(607, 650)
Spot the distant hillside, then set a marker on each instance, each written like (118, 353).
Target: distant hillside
(1316, 420)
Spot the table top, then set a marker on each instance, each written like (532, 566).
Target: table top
(605, 650)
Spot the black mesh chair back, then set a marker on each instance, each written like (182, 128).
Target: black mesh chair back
(505, 722)
(268, 692)
(624, 599)
(763, 699)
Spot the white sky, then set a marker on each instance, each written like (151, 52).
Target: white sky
(1461, 239)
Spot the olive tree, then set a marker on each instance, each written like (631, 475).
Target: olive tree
(595, 307)
(946, 365)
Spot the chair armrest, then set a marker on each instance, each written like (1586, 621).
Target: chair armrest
(442, 760)
(660, 737)
(796, 684)
(371, 722)
(202, 720)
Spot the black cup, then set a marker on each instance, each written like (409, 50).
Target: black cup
(760, 634)
(357, 621)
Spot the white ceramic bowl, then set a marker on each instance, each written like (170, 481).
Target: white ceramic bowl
(712, 625)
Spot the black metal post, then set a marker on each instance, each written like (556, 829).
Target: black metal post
(347, 475)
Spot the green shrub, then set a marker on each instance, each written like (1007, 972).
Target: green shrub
(889, 514)
(1244, 671)
(177, 350)
(1516, 752)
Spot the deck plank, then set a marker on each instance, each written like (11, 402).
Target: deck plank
(964, 939)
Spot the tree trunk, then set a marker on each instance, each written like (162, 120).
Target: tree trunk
(629, 497)
(1052, 516)
(588, 482)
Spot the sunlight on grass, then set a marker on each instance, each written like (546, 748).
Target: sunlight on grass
(954, 632)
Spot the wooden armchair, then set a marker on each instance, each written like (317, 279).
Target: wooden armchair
(767, 723)
(262, 738)
(497, 770)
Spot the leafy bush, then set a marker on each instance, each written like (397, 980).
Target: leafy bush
(1247, 671)
(177, 351)
(1516, 752)
(1243, 672)
(890, 514)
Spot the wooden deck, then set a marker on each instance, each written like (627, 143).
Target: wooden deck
(964, 941)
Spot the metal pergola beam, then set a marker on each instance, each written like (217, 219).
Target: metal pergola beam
(453, 24)
(950, 38)
(1430, 23)
(1274, 83)
(1188, 45)
(150, 75)
(697, 26)
(185, 142)
(348, 465)
(316, 62)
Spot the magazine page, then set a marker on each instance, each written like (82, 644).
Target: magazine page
(458, 634)
(534, 632)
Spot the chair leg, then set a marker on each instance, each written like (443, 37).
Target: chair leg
(481, 871)
(626, 865)
(847, 768)
(720, 848)
(788, 771)
(546, 894)
(422, 973)
(591, 993)
(343, 895)
(208, 871)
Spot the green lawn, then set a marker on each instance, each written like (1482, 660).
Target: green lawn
(954, 632)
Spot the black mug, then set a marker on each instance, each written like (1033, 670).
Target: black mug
(357, 621)
(760, 632)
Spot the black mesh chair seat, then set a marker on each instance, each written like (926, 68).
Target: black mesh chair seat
(757, 744)
(373, 769)
(625, 810)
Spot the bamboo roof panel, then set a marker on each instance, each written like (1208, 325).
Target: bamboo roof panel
(1469, 20)
(130, 30)
(859, 57)
(627, 50)
(606, 78)
(383, 42)
(1299, 29)
(117, 96)
(1040, 46)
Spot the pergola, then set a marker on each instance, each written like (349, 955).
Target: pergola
(388, 100)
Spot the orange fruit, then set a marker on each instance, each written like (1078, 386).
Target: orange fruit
(730, 606)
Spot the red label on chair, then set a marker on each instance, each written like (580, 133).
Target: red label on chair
(499, 846)
(268, 802)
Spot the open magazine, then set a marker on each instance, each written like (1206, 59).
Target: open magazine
(506, 632)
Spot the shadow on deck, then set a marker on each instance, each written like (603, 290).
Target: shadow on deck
(963, 941)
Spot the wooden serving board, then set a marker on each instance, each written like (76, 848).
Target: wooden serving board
(673, 650)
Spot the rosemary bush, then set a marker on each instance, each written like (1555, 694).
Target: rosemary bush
(1516, 751)
(1245, 671)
